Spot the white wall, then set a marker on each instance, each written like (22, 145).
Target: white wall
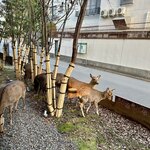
(136, 11)
(128, 53)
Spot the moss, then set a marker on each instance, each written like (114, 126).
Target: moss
(66, 127)
(87, 145)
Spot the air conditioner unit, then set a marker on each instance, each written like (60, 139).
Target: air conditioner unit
(104, 13)
(122, 23)
(121, 11)
(112, 12)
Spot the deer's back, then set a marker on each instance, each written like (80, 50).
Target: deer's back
(12, 93)
(90, 94)
(74, 83)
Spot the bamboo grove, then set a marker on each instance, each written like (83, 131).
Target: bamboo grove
(32, 26)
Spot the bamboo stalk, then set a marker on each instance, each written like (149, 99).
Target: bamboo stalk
(63, 87)
(54, 78)
(74, 54)
(41, 61)
(20, 60)
(49, 86)
(35, 61)
(25, 57)
(15, 61)
(32, 73)
(4, 58)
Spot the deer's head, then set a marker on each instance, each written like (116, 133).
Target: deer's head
(95, 79)
(109, 93)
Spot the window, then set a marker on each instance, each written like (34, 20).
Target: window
(124, 2)
(93, 8)
(82, 48)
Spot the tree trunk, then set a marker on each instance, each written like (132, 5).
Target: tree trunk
(48, 74)
(58, 55)
(73, 59)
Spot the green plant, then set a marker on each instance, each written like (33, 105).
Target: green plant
(66, 127)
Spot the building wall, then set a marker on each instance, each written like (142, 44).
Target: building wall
(137, 13)
(121, 52)
(87, 20)
(128, 53)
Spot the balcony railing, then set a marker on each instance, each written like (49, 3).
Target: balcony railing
(90, 12)
(124, 2)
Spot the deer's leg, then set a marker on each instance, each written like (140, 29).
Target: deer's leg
(87, 110)
(96, 105)
(11, 111)
(2, 123)
(81, 107)
(16, 105)
(24, 101)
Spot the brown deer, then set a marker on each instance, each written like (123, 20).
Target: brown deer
(40, 82)
(75, 85)
(10, 95)
(93, 96)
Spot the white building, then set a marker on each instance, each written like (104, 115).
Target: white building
(115, 35)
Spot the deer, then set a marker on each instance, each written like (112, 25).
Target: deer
(93, 96)
(75, 85)
(40, 82)
(10, 95)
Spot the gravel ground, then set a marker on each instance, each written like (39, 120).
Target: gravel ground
(31, 130)
(122, 133)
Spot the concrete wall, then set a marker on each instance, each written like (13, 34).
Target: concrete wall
(128, 52)
(125, 55)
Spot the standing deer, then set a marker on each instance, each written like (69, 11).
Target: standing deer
(75, 85)
(40, 82)
(10, 95)
(93, 96)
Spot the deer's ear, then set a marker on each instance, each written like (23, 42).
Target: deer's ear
(107, 89)
(99, 76)
(91, 75)
(112, 89)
